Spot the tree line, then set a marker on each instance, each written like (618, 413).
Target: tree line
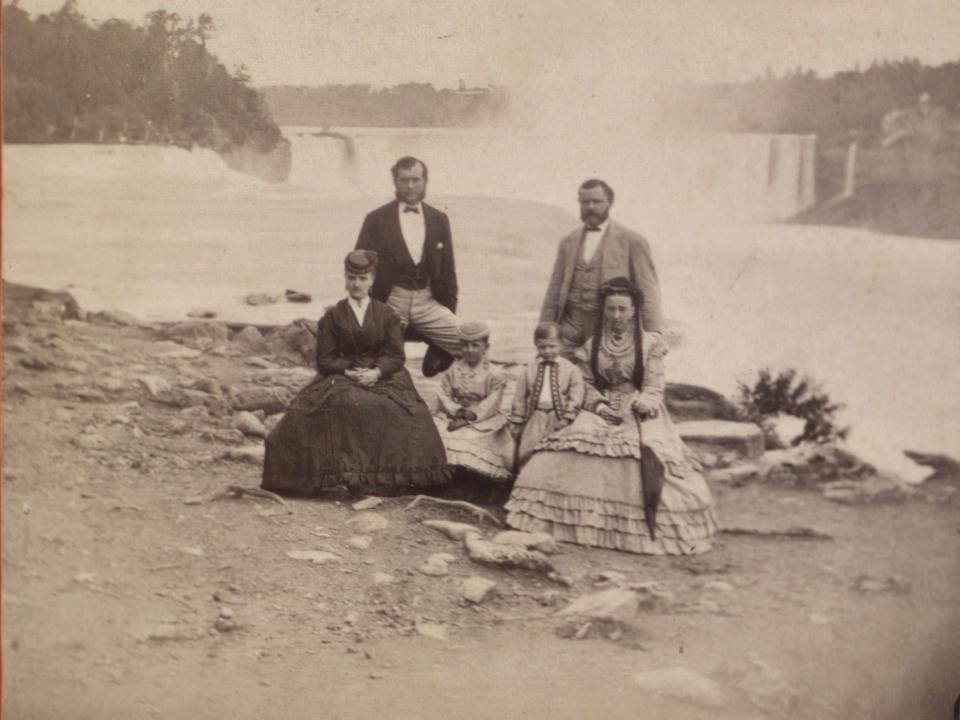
(405, 105)
(852, 102)
(68, 80)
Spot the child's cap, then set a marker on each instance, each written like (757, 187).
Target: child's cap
(473, 330)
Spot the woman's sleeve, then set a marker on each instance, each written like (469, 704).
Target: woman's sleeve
(518, 410)
(591, 396)
(445, 395)
(329, 359)
(654, 373)
(391, 357)
(490, 405)
(578, 391)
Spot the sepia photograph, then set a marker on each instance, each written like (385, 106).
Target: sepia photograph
(480, 359)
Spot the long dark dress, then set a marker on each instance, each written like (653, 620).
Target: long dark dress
(377, 440)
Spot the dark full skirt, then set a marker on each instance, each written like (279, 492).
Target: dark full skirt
(379, 441)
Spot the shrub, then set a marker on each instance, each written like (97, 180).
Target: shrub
(786, 392)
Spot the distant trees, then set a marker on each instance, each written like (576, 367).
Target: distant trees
(405, 105)
(66, 80)
(850, 102)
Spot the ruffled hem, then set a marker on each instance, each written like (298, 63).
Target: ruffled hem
(587, 445)
(382, 482)
(471, 460)
(608, 524)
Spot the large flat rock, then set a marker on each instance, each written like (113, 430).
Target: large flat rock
(723, 439)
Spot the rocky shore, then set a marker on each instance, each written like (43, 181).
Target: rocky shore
(136, 561)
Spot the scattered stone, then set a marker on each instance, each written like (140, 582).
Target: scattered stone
(434, 567)
(197, 334)
(166, 349)
(295, 296)
(154, 384)
(201, 313)
(195, 500)
(489, 553)
(63, 415)
(226, 613)
(249, 424)
(294, 342)
(194, 551)
(609, 577)
(257, 299)
(434, 631)
(382, 578)
(550, 598)
(176, 426)
(252, 455)
(207, 385)
(453, 530)
(195, 413)
(811, 465)
(367, 503)
(262, 363)
(818, 619)
(476, 589)
(719, 586)
(270, 400)
(737, 475)
(250, 338)
(35, 362)
(318, 557)
(943, 467)
(111, 385)
(544, 542)
(360, 542)
(91, 441)
(682, 683)
(224, 625)
(620, 604)
(368, 522)
(114, 317)
(872, 585)
(77, 366)
(745, 440)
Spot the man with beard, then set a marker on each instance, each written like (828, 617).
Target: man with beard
(597, 251)
(416, 274)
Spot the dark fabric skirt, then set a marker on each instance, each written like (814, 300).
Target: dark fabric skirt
(378, 441)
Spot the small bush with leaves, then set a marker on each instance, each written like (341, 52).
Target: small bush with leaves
(786, 392)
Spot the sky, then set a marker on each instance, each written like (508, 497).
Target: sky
(530, 43)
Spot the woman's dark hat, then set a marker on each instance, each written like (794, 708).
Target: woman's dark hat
(360, 262)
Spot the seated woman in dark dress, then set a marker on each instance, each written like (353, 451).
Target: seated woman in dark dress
(360, 423)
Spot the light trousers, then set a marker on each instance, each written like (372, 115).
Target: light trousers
(423, 313)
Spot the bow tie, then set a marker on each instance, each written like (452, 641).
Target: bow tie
(591, 228)
(546, 362)
(412, 209)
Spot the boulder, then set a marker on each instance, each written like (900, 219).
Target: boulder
(249, 424)
(270, 400)
(476, 589)
(257, 299)
(252, 454)
(295, 296)
(294, 342)
(318, 557)
(544, 542)
(810, 465)
(693, 402)
(620, 603)
(196, 334)
(453, 530)
(154, 384)
(782, 430)
(250, 339)
(170, 350)
(730, 441)
(368, 522)
(115, 317)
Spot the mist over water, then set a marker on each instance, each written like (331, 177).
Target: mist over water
(158, 231)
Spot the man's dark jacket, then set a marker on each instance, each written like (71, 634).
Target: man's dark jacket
(381, 233)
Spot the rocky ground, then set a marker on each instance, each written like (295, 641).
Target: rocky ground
(136, 585)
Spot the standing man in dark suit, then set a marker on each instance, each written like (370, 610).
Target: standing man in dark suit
(595, 252)
(416, 274)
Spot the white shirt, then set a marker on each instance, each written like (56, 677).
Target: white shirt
(359, 308)
(592, 239)
(413, 229)
(545, 401)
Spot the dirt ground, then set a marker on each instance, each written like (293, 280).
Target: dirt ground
(123, 597)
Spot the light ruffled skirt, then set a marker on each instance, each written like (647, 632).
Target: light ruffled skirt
(583, 485)
(485, 448)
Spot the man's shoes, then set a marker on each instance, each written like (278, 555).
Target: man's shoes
(436, 361)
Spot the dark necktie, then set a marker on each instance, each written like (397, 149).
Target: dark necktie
(411, 209)
(590, 228)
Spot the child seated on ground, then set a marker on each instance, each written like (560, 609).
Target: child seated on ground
(549, 394)
(468, 418)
